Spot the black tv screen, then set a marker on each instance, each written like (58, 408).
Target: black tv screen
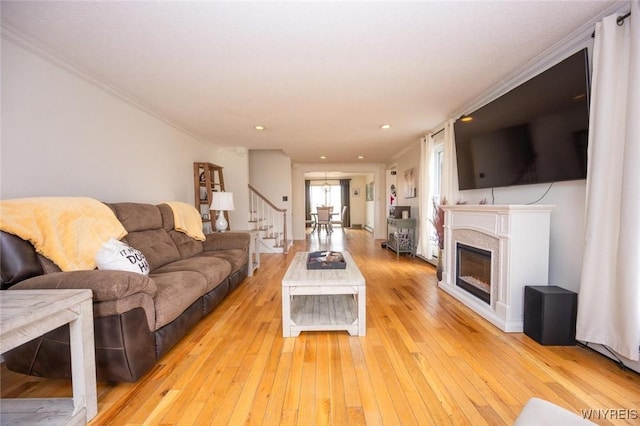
(535, 133)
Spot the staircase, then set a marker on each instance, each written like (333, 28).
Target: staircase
(270, 220)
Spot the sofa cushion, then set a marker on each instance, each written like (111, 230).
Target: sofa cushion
(176, 292)
(156, 245)
(227, 240)
(137, 216)
(167, 217)
(187, 246)
(143, 222)
(214, 269)
(238, 258)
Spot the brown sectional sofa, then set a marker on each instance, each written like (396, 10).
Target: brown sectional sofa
(137, 318)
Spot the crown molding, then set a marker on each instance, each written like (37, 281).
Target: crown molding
(10, 34)
(578, 39)
(403, 151)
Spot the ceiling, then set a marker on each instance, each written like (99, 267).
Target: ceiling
(322, 77)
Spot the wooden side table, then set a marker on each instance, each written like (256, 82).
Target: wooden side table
(254, 250)
(27, 314)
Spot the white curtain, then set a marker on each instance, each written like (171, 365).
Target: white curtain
(609, 300)
(425, 208)
(450, 167)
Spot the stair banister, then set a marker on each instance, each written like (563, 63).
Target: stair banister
(272, 216)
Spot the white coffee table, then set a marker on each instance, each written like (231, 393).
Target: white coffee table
(27, 314)
(323, 300)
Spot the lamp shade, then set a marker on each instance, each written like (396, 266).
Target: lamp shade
(222, 201)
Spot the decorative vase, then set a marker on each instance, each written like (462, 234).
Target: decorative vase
(440, 267)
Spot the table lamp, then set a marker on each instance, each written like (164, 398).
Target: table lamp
(221, 201)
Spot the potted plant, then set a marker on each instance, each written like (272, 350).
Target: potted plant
(438, 223)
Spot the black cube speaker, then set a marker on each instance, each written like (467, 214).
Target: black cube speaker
(550, 315)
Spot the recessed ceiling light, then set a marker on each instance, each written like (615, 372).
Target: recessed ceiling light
(259, 127)
(360, 157)
(385, 126)
(323, 157)
(466, 118)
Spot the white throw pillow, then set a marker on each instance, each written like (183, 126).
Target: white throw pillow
(118, 256)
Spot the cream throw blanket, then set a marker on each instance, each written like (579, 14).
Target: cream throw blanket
(67, 230)
(187, 219)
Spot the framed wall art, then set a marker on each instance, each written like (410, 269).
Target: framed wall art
(410, 183)
(370, 191)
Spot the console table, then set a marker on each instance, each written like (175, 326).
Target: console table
(402, 240)
(27, 314)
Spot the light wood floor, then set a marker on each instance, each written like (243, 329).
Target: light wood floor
(426, 359)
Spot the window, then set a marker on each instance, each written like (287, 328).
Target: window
(320, 197)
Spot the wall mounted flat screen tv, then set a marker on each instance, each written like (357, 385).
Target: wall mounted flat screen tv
(535, 133)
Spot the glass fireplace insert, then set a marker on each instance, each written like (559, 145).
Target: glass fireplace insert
(473, 271)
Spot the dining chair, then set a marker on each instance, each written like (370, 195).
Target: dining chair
(342, 220)
(324, 218)
(311, 223)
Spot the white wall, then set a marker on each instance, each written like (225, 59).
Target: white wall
(370, 205)
(410, 159)
(369, 223)
(64, 136)
(357, 207)
(270, 174)
(567, 223)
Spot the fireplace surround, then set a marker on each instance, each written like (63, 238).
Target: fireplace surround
(506, 247)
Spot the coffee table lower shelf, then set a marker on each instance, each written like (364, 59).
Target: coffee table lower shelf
(328, 312)
(324, 312)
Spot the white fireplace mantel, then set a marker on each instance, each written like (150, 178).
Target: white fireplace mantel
(517, 236)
